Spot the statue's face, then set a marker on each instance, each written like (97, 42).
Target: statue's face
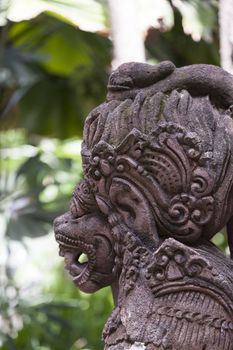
(88, 234)
(85, 229)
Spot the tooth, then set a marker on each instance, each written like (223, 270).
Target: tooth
(61, 253)
(68, 257)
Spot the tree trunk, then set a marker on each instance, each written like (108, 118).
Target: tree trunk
(226, 34)
(127, 35)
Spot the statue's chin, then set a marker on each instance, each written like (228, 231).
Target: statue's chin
(86, 287)
(84, 275)
(80, 271)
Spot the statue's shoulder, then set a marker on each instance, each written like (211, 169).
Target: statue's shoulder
(183, 299)
(201, 269)
(193, 297)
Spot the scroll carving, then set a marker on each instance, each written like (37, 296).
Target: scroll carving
(158, 185)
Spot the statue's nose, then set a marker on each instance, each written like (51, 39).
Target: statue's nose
(62, 219)
(57, 221)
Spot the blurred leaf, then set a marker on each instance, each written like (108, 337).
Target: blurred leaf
(198, 18)
(74, 78)
(158, 14)
(74, 50)
(4, 4)
(20, 10)
(86, 14)
(180, 48)
(26, 225)
(54, 70)
(38, 187)
(221, 241)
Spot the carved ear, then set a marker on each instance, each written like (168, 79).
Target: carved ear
(129, 200)
(103, 204)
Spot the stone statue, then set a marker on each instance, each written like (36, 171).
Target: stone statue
(158, 185)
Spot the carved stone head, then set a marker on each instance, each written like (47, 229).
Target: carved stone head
(158, 169)
(84, 231)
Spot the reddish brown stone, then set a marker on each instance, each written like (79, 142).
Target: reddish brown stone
(158, 185)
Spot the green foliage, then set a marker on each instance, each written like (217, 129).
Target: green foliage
(52, 74)
(198, 18)
(58, 318)
(36, 182)
(220, 240)
(68, 321)
(50, 70)
(179, 48)
(86, 14)
(55, 57)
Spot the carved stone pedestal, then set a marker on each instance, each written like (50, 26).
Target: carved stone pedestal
(158, 185)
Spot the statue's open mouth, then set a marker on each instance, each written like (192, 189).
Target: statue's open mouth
(73, 250)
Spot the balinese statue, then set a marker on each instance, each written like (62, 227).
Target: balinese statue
(158, 185)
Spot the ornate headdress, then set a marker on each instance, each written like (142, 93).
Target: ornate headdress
(172, 141)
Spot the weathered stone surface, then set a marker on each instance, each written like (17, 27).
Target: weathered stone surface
(158, 185)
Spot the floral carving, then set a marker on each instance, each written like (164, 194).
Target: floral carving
(169, 162)
(174, 262)
(102, 160)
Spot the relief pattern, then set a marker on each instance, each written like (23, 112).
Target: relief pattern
(158, 185)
